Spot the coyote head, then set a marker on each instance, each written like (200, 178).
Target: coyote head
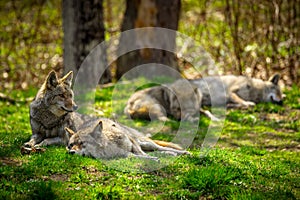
(272, 92)
(75, 144)
(58, 94)
(86, 140)
(185, 100)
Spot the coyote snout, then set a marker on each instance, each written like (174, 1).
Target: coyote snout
(69, 106)
(275, 95)
(276, 99)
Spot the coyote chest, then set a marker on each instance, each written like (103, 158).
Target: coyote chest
(47, 119)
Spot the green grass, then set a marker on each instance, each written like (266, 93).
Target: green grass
(256, 157)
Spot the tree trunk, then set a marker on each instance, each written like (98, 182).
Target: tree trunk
(149, 13)
(83, 31)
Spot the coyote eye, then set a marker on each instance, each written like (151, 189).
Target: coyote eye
(79, 143)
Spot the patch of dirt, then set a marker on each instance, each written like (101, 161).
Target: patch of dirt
(283, 116)
(292, 147)
(267, 140)
(10, 161)
(94, 171)
(56, 177)
(274, 116)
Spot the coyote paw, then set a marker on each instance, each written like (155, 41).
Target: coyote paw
(214, 118)
(248, 103)
(41, 144)
(145, 157)
(163, 119)
(30, 150)
(183, 152)
(28, 145)
(191, 119)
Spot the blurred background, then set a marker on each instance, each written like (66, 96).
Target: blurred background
(254, 38)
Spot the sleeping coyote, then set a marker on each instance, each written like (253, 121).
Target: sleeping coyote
(238, 91)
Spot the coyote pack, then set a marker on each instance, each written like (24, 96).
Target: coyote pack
(53, 111)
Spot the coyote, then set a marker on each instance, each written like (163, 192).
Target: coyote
(53, 110)
(182, 102)
(106, 139)
(238, 91)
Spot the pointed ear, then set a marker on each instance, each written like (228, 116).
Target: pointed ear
(52, 81)
(67, 78)
(69, 131)
(198, 94)
(99, 126)
(274, 79)
(165, 93)
(98, 129)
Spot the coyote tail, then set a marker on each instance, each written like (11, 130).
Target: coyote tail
(168, 144)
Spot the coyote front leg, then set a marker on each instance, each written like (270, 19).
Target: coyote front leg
(239, 102)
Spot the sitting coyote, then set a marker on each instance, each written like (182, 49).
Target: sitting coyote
(53, 110)
(182, 102)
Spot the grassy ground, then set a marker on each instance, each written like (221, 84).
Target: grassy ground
(256, 157)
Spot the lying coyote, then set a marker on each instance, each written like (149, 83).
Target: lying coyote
(238, 91)
(53, 110)
(179, 99)
(182, 102)
(104, 138)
